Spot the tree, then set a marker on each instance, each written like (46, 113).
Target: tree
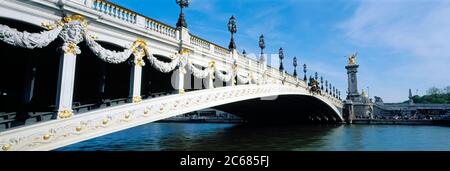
(433, 91)
(447, 90)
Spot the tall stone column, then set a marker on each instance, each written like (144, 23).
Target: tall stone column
(72, 34)
(135, 81)
(178, 81)
(352, 69)
(209, 82)
(136, 71)
(184, 38)
(66, 80)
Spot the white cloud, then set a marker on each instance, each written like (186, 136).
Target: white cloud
(419, 27)
(417, 31)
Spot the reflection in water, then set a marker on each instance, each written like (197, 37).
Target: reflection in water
(223, 137)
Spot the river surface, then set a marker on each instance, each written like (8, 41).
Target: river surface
(223, 137)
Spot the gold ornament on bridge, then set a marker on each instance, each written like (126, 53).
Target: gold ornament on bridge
(185, 51)
(181, 91)
(65, 114)
(139, 47)
(127, 115)
(79, 18)
(105, 121)
(46, 136)
(93, 36)
(212, 64)
(78, 128)
(139, 51)
(161, 108)
(137, 99)
(71, 48)
(47, 25)
(6, 147)
(139, 62)
(352, 59)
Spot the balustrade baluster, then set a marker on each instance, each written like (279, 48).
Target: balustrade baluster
(103, 7)
(107, 9)
(121, 14)
(113, 11)
(124, 15)
(97, 5)
(131, 17)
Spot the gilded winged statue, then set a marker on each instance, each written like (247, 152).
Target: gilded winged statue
(352, 59)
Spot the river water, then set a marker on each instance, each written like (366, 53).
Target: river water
(206, 136)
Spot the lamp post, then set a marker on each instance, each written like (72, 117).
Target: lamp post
(310, 80)
(304, 71)
(326, 86)
(321, 82)
(244, 53)
(233, 29)
(262, 45)
(334, 92)
(330, 89)
(281, 56)
(183, 4)
(295, 67)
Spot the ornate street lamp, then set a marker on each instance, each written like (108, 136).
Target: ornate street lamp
(183, 4)
(310, 80)
(295, 67)
(334, 92)
(244, 53)
(304, 71)
(321, 82)
(316, 77)
(233, 29)
(330, 89)
(262, 45)
(326, 86)
(281, 56)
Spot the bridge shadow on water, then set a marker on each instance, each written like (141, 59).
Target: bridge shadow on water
(282, 109)
(212, 137)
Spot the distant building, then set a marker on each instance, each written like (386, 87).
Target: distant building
(410, 110)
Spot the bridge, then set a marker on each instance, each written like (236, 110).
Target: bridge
(116, 69)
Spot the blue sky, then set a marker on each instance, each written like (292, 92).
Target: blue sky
(401, 44)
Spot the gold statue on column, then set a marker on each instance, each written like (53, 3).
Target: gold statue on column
(352, 59)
